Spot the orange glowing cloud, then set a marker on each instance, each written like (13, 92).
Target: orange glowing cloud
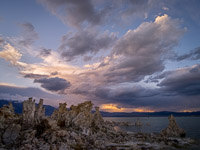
(188, 110)
(115, 108)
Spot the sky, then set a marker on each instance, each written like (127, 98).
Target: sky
(123, 55)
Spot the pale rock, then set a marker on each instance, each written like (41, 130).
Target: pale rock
(28, 114)
(86, 131)
(97, 120)
(40, 112)
(60, 114)
(62, 108)
(81, 115)
(6, 112)
(173, 129)
(64, 146)
(53, 147)
(62, 133)
(11, 133)
(44, 146)
(29, 135)
(7, 116)
(77, 129)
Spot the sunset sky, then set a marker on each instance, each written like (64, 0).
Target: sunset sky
(123, 55)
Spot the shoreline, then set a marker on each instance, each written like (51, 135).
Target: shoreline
(79, 129)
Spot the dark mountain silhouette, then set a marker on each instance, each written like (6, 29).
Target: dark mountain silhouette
(49, 110)
(18, 106)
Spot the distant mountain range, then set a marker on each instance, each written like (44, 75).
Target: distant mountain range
(49, 110)
(18, 106)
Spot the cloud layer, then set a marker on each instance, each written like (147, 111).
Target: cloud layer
(140, 52)
(75, 12)
(184, 81)
(21, 93)
(28, 35)
(121, 54)
(53, 84)
(85, 42)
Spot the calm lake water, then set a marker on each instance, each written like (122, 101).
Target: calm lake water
(156, 124)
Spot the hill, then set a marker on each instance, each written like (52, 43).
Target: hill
(49, 110)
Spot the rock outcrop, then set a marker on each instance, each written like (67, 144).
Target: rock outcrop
(6, 112)
(40, 112)
(11, 133)
(73, 129)
(60, 114)
(97, 120)
(28, 113)
(9, 125)
(173, 130)
(81, 115)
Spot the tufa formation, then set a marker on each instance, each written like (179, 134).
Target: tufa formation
(76, 129)
(173, 130)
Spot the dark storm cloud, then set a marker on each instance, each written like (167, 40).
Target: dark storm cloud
(45, 52)
(35, 76)
(137, 96)
(192, 55)
(84, 42)
(125, 94)
(75, 12)
(29, 35)
(53, 84)
(133, 70)
(178, 90)
(182, 82)
(10, 91)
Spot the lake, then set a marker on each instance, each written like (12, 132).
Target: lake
(156, 124)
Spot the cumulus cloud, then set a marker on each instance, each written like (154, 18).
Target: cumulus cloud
(138, 53)
(53, 84)
(12, 55)
(142, 51)
(75, 12)
(185, 81)
(84, 42)
(28, 35)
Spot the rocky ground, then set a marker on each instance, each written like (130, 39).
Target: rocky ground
(79, 129)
